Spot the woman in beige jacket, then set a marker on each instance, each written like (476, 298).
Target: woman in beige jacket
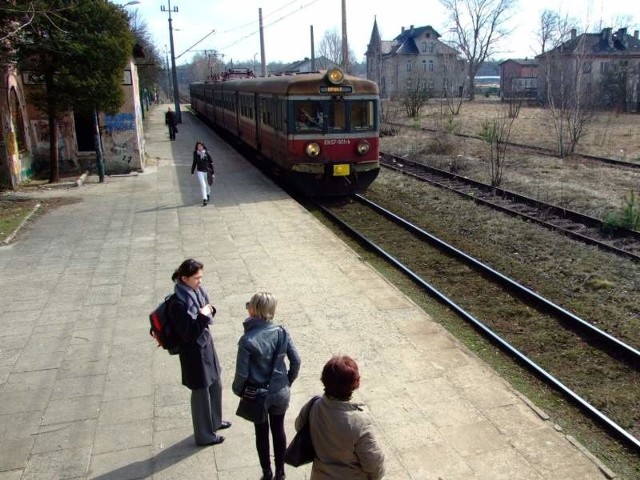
(342, 433)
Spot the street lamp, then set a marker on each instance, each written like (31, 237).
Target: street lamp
(132, 2)
(176, 99)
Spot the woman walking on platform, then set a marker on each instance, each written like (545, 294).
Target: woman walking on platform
(203, 166)
(260, 363)
(190, 315)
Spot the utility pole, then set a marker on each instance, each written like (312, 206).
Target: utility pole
(313, 51)
(176, 96)
(262, 56)
(345, 45)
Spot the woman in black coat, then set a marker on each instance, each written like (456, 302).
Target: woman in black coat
(190, 315)
(203, 167)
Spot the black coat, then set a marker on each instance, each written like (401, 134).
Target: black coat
(170, 119)
(198, 359)
(202, 164)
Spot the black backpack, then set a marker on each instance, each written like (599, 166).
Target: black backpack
(161, 328)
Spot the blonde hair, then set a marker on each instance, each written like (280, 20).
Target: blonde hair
(264, 305)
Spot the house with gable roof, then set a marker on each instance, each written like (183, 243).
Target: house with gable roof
(415, 59)
(604, 66)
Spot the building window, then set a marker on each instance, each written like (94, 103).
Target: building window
(17, 120)
(408, 65)
(586, 67)
(431, 47)
(431, 65)
(424, 46)
(409, 84)
(424, 65)
(604, 67)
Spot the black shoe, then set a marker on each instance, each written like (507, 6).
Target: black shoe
(208, 198)
(204, 203)
(224, 424)
(280, 475)
(216, 441)
(267, 475)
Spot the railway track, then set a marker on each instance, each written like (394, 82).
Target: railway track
(573, 224)
(588, 366)
(541, 150)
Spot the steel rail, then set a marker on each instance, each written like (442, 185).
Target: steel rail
(506, 195)
(542, 150)
(493, 336)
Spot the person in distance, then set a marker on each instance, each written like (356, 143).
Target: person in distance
(203, 167)
(190, 315)
(171, 121)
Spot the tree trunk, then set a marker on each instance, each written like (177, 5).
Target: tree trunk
(54, 164)
(472, 83)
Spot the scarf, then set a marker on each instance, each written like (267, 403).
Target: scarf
(203, 154)
(193, 299)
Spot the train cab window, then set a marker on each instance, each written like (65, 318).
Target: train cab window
(362, 115)
(336, 117)
(308, 116)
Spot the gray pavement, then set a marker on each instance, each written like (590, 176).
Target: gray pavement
(84, 392)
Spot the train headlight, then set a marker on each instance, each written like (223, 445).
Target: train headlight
(335, 76)
(312, 149)
(363, 147)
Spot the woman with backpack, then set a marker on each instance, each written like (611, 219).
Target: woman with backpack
(190, 314)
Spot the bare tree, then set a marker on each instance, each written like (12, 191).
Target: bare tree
(454, 83)
(553, 29)
(331, 48)
(479, 26)
(416, 95)
(496, 133)
(569, 95)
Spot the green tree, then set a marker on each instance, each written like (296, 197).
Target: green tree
(80, 48)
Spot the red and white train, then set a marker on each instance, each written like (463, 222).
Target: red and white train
(320, 130)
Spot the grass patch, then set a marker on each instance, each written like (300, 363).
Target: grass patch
(12, 213)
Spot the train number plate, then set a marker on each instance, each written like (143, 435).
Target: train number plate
(341, 170)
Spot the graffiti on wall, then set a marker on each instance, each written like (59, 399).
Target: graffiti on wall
(121, 122)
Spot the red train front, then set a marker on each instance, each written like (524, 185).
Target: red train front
(318, 129)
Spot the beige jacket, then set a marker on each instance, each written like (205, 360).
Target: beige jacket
(344, 441)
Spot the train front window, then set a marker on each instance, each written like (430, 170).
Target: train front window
(337, 116)
(308, 116)
(362, 115)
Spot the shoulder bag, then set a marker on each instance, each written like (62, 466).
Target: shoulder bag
(300, 451)
(252, 404)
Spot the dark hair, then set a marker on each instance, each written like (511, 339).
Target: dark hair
(186, 269)
(340, 377)
(195, 148)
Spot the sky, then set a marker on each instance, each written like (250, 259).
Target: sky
(231, 27)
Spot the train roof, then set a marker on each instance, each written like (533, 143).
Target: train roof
(300, 83)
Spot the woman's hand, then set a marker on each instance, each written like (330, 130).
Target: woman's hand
(206, 310)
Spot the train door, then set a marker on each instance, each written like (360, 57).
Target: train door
(258, 110)
(236, 112)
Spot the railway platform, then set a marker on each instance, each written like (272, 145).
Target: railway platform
(85, 393)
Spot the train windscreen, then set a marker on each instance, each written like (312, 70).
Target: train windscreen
(334, 116)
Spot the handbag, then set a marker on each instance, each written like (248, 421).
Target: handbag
(210, 178)
(253, 401)
(300, 451)
(252, 404)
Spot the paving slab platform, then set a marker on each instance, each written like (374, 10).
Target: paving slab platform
(84, 392)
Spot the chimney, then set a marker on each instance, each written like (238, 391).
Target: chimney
(606, 36)
(573, 34)
(411, 30)
(401, 30)
(635, 34)
(622, 37)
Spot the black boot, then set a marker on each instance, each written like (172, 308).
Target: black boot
(280, 475)
(204, 203)
(267, 475)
